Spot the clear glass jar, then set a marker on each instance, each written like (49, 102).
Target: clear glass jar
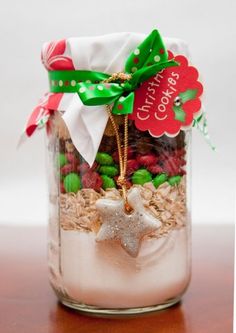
(101, 277)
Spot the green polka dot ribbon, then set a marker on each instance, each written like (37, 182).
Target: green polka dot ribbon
(145, 61)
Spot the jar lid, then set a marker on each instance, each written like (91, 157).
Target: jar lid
(81, 98)
(106, 53)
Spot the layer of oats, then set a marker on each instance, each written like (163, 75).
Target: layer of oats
(167, 203)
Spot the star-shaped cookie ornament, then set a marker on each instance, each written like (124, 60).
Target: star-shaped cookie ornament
(128, 229)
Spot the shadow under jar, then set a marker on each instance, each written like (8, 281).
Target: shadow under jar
(101, 277)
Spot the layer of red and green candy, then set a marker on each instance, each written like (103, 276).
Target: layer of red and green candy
(141, 168)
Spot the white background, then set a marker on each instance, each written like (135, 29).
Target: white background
(209, 28)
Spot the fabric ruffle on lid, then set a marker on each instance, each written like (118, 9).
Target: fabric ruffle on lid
(107, 53)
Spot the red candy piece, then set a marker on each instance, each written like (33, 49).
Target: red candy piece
(92, 180)
(128, 184)
(62, 188)
(84, 167)
(178, 161)
(132, 165)
(154, 169)
(130, 153)
(182, 162)
(115, 156)
(162, 157)
(72, 159)
(182, 172)
(146, 160)
(68, 168)
(94, 166)
(180, 152)
(171, 166)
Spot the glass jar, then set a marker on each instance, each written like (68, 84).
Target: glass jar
(102, 277)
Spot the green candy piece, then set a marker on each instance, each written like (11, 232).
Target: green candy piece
(107, 182)
(108, 170)
(174, 180)
(62, 160)
(141, 177)
(159, 179)
(104, 159)
(72, 182)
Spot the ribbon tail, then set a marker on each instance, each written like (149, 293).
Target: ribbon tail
(201, 125)
(23, 138)
(124, 105)
(38, 119)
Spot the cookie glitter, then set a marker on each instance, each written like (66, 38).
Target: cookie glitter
(128, 229)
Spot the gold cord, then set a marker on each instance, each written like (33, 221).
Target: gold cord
(123, 155)
(120, 76)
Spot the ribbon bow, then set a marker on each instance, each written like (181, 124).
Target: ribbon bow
(97, 88)
(145, 61)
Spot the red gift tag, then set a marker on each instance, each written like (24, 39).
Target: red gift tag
(168, 101)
